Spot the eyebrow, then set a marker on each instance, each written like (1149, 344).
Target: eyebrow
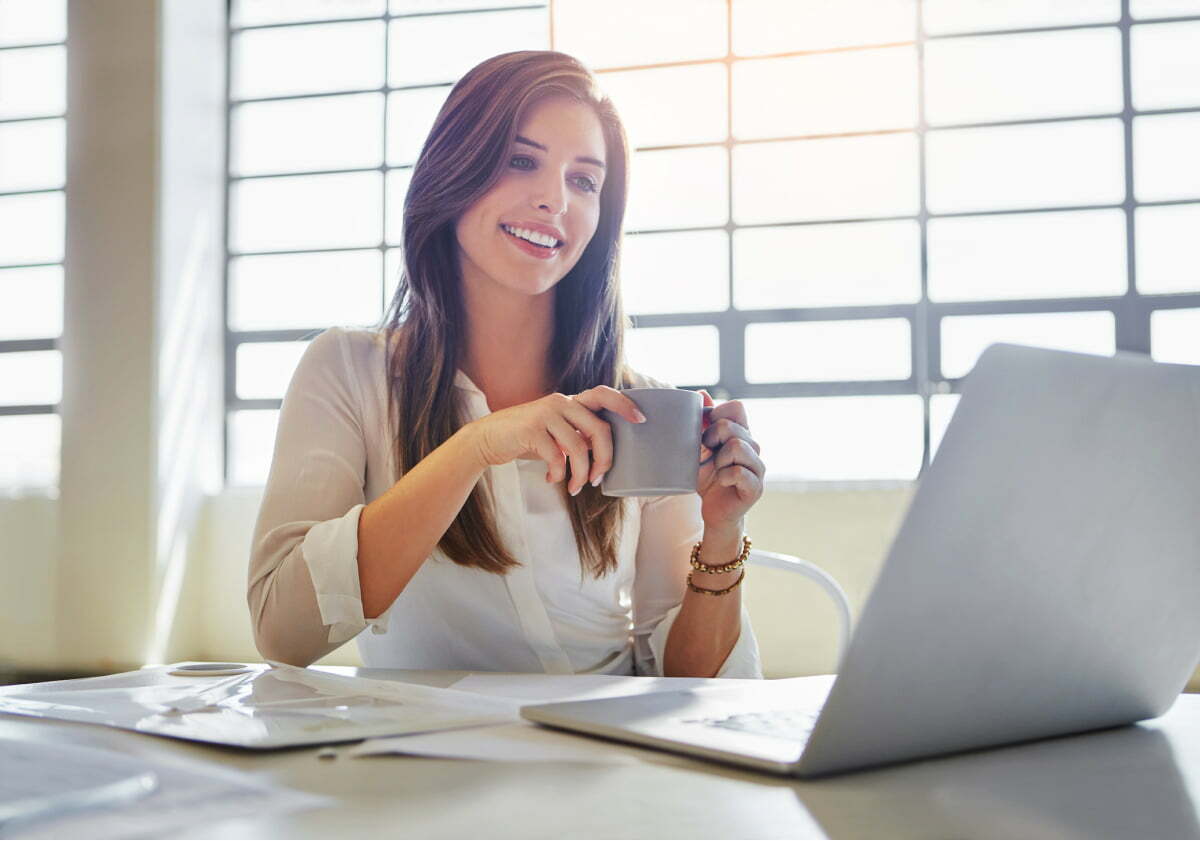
(536, 145)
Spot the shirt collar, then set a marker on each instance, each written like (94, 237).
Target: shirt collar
(464, 382)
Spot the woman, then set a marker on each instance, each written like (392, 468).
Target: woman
(432, 479)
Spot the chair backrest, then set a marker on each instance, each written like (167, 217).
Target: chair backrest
(791, 563)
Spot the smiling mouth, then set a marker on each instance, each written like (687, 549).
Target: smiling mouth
(530, 242)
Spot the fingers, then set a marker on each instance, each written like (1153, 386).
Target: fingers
(743, 480)
(741, 453)
(604, 397)
(723, 430)
(733, 410)
(573, 444)
(547, 450)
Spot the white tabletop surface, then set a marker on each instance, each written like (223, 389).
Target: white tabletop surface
(1131, 782)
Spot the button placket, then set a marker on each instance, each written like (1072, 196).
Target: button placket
(527, 602)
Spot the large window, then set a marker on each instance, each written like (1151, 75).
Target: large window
(33, 102)
(834, 206)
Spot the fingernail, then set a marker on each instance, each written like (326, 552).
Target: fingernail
(640, 417)
(597, 480)
(577, 490)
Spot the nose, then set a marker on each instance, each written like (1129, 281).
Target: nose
(551, 193)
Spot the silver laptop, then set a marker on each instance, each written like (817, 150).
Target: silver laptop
(1045, 581)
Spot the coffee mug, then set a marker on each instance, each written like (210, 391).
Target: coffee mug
(661, 456)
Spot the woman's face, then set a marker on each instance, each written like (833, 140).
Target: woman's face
(550, 186)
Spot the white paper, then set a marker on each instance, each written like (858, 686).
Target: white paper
(185, 790)
(273, 707)
(548, 689)
(522, 742)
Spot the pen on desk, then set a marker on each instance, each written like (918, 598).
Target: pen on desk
(109, 795)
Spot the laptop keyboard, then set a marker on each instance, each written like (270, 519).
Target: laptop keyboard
(792, 725)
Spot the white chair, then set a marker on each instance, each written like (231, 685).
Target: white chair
(790, 563)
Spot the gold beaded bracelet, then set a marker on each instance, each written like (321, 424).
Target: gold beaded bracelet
(728, 589)
(735, 564)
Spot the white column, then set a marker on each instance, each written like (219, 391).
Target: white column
(142, 349)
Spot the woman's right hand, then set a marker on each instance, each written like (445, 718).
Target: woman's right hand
(556, 429)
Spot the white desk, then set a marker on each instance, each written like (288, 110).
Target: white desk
(1131, 782)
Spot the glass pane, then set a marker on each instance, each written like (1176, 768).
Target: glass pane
(828, 351)
(327, 132)
(678, 188)
(1074, 163)
(1027, 255)
(843, 265)
(411, 115)
(1165, 65)
(29, 451)
(941, 410)
(671, 104)
(839, 438)
(1163, 8)
(32, 22)
(1175, 336)
(834, 178)
(308, 59)
(33, 303)
(258, 12)
(761, 27)
(607, 37)
(33, 156)
(441, 48)
(681, 356)
(297, 291)
(34, 229)
(251, 445)
(33, 83)
(30, 377)
(307, 211)
(675, 272)
(397, 188)
(965, 337)
(1165, 163)
(264, 369)
(1026, 76)
(402, 7)
(1168, 250)
(945, 16)
(874, 89)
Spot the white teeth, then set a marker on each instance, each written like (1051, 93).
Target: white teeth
(532, 236)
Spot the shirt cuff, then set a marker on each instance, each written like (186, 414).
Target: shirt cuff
(743, 661)
(330, 551)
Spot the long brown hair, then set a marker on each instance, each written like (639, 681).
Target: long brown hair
(463, 157)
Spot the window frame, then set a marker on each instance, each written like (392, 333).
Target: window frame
(49, 343)
(1131, 310)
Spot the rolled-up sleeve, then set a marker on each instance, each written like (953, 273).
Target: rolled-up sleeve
(303, 588)
(670, 526)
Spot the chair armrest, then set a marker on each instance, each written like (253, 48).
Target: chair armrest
(790, 563)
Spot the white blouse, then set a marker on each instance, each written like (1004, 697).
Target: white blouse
(333, 455)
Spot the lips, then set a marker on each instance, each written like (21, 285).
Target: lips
(537, 251)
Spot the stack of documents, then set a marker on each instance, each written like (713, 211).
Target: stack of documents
(263, 708)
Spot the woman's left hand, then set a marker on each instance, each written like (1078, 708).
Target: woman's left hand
(731, 473)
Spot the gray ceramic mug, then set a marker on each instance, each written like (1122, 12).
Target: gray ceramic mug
(661, 456)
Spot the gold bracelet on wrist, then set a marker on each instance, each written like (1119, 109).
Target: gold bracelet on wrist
(736, 564)
(728, 589)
